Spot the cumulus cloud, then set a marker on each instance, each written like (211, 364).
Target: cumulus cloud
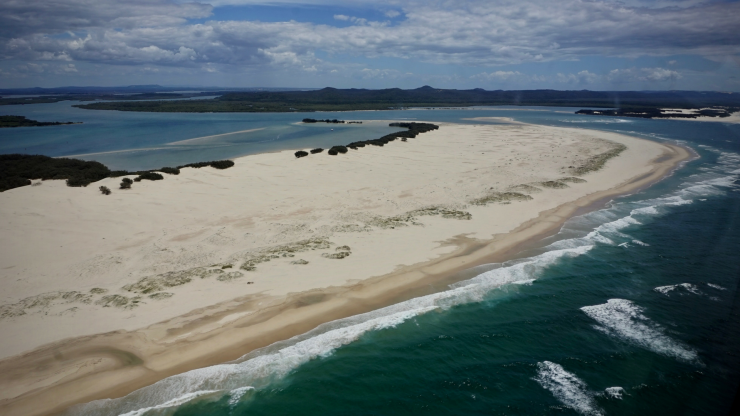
(584, 77)
(473, 33)
(628, 75)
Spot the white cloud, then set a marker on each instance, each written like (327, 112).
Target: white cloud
(584, 77)
(472, 33)
(498, 76)
(628, 75)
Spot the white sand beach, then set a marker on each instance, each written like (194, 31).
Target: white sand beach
(105, 294)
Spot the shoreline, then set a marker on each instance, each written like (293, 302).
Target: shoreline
(227, 338)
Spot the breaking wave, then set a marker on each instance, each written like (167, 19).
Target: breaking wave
(623, 319)
(567, 388)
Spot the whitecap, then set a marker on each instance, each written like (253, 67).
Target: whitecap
(718, 287)
(237, 394)
(567, 388)
(685, 286)
(623, 319)
(171, 403)
(614, 392)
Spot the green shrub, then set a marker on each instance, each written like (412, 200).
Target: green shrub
(218, 164)
(317, 150)
(301, 153)
(151, 176)
(105, 190)
(14, 168)
(170, 171)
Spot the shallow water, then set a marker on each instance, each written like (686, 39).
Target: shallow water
(631, 309)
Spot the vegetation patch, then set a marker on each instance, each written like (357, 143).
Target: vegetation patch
(525, 188)
(299, 261)
(105, 190)
(119, 301)
(98, 291)
(43, 302)
(572, 179)
(316, 150)
(253, 258)
(597, 162)
(126, 183)
(150, 176)
(553, 184)
(170, 171)
(217, 164)
(343, 248)
(338, 256)
(229, 276)
(501, 198)
(301, 153)
(161, 295)
(410, 217)
(157, 283)
(17, 170)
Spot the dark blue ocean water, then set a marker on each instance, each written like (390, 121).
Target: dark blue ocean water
(629, 310)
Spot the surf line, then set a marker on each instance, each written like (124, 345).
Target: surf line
(187, 141)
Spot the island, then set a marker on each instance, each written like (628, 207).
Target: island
(692, 113)
(21, 121)
(333, 99)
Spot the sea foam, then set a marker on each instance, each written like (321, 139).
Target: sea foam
(623, 319)
(567, 388)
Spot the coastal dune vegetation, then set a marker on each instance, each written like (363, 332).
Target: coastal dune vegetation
(18, 170)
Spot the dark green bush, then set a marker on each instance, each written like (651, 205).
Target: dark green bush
(339, 149)
(333, 151)
(171, 171)
(126, 184)
(218, 164)
(151, 176)
(13, 182)
(127, 180)
(317, 150)
(301, 153)
(105, 190)
(77, 172)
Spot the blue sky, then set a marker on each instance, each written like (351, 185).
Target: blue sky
(491, 44)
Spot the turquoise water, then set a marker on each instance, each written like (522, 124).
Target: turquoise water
(632, 309)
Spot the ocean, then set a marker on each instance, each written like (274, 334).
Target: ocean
(632, 309)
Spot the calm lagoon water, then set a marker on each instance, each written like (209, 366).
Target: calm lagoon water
(629, 310)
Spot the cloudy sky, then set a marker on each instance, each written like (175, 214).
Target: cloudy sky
(491, 44)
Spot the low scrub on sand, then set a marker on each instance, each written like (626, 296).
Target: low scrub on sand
(170, 171)
(597, 162)
(218, 164)
(301, 153)
(16, 170)
(150, 176)
(553, 184)
(105, 190)
(501, 198)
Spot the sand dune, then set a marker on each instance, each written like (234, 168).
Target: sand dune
(216, 263)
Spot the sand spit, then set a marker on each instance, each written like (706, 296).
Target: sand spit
(734, 118)
(203, 267)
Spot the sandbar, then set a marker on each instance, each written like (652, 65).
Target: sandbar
(103, 295)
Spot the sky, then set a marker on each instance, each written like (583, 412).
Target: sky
(490, 44)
